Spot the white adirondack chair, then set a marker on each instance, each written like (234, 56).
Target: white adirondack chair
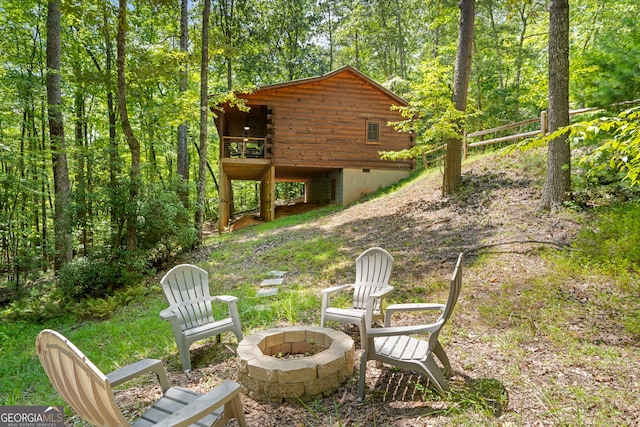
(396, 346)
(89, 392)
(187, 290)
(373, 270)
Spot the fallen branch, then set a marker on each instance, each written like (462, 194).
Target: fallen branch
(539, 242)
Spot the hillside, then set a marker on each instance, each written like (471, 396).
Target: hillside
(513, 365)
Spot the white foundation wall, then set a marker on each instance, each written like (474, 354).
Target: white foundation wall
(357, 183)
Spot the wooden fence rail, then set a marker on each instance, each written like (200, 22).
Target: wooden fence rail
(539, 132)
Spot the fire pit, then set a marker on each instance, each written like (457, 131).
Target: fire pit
(295, 363)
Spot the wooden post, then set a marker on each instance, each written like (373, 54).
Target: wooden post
(267, 194)
(224, 204)
(543, 123)
(465, 148)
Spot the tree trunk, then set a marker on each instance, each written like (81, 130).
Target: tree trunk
(204, 115)
(62, 186)
(134, 145)
(226, 10)
(330, 31)
(114, 164)
(401, 54)
(183, 153)
(557, 185)
(81, 182)
(453, 157)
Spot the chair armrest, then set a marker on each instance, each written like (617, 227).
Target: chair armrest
(376, 295)
(203, 405)
(337, 288)
(327, 292)
(126, 373)
(397, 308)
(381, 293)
(224, 298)
(403, 330)
(168, 313)
(232, 308)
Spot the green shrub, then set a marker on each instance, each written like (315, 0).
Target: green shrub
(90, 278)
(103, 308)
(165, 225)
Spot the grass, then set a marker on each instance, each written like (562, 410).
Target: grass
(557, 334)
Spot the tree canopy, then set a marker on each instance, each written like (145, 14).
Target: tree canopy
(408, 46)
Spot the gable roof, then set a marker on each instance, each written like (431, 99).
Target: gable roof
(346, 69)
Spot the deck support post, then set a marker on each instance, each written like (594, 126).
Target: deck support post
(224, 205)
(268, 194)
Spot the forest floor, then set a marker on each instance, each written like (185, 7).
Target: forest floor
(495, 217)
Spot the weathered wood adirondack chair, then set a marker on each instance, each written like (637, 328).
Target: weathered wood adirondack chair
(373, 270)
(187, 290)
(395, 345)
(89, 392)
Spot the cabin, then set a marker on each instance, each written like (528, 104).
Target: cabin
(324, 131)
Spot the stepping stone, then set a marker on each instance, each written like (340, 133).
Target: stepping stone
(276, 273)
(267, 292)
(272, 282)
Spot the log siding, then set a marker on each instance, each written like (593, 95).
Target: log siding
(314, 131)
(324, 122)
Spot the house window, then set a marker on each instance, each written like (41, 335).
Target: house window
(373, 132)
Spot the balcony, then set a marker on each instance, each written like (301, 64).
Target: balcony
(242, 147)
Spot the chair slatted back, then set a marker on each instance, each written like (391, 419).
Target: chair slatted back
(374, 266)
(186, 287)
(454, 292)
(373, 271)
(82, 385)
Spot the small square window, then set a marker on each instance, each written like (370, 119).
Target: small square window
(373, 132)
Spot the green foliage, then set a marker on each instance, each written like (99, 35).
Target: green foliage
(484, 395)
(409, 46)
(289, 190)
(165, 225)
(103, 308)
(37, 303)
(604, 69)
(94, 277)
(608, 150)
(612, 241)
(20, 370)
(431, 113)
(617, 146)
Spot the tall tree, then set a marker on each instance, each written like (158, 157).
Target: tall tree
(327, 10)
(62, 186)
(183, 153)
(80, 175)
(453, 158)
(134, 144)
(400, 40)
(557, 183)
(204, 120)
(227, 21)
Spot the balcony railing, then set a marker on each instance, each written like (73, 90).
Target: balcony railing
(244, 147)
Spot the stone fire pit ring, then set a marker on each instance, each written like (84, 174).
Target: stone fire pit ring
(322, 359)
